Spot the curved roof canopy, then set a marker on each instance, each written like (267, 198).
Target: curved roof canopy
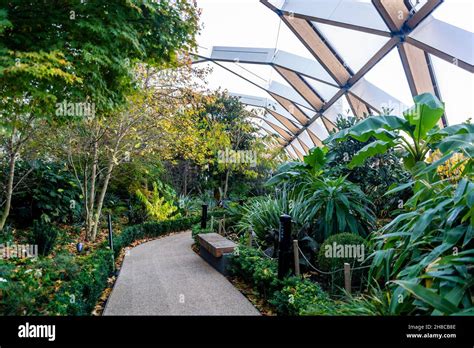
(349, 45)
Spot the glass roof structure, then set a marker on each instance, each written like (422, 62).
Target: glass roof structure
(349, 57)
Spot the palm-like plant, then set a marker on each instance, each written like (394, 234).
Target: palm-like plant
(337, 205)
(262, 215)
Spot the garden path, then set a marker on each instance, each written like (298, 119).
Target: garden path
(166, 277)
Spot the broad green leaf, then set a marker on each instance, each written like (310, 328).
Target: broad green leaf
(463, 143)
(316, 158)
(372, 149)
(428, 296)
(424, 115)
(457, 129)
(380, 127)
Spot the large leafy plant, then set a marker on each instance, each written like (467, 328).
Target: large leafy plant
(427, 252)
(293, 175)
(337, 205)
(374, 176)
(416, 132)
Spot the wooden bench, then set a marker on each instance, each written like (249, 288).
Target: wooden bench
(216, 250)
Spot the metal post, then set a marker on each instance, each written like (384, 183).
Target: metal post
(347, 278)
(296, 256)
(284, 239)
(204, 216)
(111, 239)
(250, 238)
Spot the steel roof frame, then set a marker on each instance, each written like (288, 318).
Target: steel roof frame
(408, 33)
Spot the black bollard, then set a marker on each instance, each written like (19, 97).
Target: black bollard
(204, 216)
(284, 252)
(111, 240)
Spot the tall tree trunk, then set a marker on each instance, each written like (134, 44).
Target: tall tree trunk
(226, 184)
(9, 193)
(90, 210)
(100, 202)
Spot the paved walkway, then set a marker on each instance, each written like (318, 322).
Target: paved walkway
(166, 277)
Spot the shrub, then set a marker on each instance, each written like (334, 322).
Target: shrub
(296, 295)
(79, 296)
(289, 296)
(332, 256)
(44, 235)
(376, 302)
(65, 285)
(157, 206)
(254, 268)
(262, 216)
(50, 191)
(374, 176)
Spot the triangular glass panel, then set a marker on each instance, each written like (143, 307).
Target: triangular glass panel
(389, 75)
(456, 86)
(354, 47)
(318, 128)
(456, 12)
(323, 89)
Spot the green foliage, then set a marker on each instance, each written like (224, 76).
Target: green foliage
(418, 124)
(426, 251)
(158, 209)
(64, 285)
(336, 205)
(329, 259)
(374, 176)
(44, 235)
(376, 303)
(262, 216)
(86, 287)
(290, 296)
(48, 191)
(137, 174)
(456, 140)
(6, 235)
(296, 295)
(90, 59)
(294, 175)
(253, 267)
(69, 284)
(188, 205)
(333, 205)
